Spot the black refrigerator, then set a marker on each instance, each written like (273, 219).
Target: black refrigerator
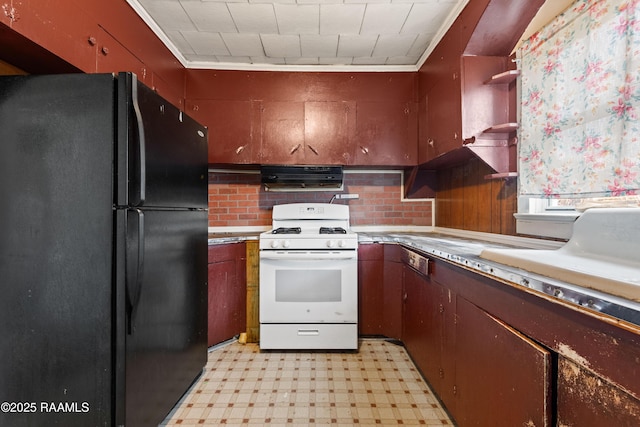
(103, 251)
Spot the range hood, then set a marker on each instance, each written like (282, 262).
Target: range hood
(298, 178)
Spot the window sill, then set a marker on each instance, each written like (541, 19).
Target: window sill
(557, 225)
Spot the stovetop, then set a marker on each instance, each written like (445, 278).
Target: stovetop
(302, 226)
(298, 230)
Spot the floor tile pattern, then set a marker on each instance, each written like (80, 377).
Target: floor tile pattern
(242, 386)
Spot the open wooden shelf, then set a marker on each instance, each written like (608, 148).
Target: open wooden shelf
(503, 175)
(503, 78)
(502, 128)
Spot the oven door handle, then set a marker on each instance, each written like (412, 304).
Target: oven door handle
(309, 255)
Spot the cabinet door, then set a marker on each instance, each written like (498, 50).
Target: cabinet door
(503, 378)
(231, 129)
(386, 133)
(227, 292)
(328, 132)
(585, 399)
(112, 57)
(167, 91)
(429, 333)
(444, 128)
(282, 126)
(392, 292)
(414, 317)
(71, 36)
(370, 289)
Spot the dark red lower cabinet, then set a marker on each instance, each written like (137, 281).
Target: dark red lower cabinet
(227, 292)
(585, 399)
(503, 378)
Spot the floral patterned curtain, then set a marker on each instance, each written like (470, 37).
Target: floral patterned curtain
(580, 113)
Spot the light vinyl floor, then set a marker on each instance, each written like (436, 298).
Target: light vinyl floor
(242, 386)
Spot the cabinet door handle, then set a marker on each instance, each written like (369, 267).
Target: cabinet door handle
(365, 150)
(313, 150)
(294, 149)
(240, 149)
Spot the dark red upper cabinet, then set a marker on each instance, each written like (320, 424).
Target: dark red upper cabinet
(282, 133)
(386, 133)
(469, 113)
(306, 133)
(233, 137)
(328, 132)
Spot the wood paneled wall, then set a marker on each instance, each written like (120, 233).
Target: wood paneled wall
(467, 201)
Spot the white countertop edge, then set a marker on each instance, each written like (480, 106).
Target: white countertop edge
(504, 239)
(239, 229)
(392, 228)
(527, 242)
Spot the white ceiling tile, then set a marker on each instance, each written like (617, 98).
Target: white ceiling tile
(349, 45)
(432, 2)
(385, 18)
(313, 45)
(205, 43)
(286, 46)
(393, 45)
(425, 17)
(341, 18)
(233, 59)
(254, 18)
(209, 16)
(335, 61)
(368, 1)
(201, 58)
(321, 2)
(302, 61)
(243, 44)
(402, 60)
(169, 15)
(420, 44)
(369, 60)
(179, 41)
(296, 19)
(266, 60)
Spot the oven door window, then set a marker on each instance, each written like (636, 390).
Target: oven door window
(308, 291)
(312, 286)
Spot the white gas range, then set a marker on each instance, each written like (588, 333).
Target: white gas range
(309, 279)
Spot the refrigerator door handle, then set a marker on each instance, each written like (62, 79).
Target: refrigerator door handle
(141, 166)
(135, 269)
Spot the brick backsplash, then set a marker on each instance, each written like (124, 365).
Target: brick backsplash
(238, 199)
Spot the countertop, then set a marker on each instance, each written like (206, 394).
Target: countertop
(464, 250)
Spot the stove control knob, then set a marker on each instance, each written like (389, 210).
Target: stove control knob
(275, 244)
(331, 243)
(342, 243)
(286, 244)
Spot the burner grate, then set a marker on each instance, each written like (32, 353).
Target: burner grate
(287, 230)
(332, 230)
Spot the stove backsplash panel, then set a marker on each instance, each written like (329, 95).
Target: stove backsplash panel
(238, 199)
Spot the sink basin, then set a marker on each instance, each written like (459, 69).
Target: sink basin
(602, 254)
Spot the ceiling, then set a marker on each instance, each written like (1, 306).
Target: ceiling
(300, 35)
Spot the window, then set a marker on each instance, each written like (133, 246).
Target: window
(580, 106)
(580, 115)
